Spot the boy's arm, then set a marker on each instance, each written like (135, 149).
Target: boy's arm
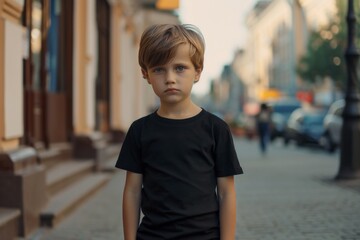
(227, 201)
(131, 204)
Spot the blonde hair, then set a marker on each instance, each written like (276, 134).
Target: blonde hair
(159, 43)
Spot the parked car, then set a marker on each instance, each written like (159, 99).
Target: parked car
(305, 127)
(331, 137)
(280, 114)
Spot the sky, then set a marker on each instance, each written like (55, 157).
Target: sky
(222, 24)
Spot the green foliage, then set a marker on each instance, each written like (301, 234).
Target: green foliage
(326, 48)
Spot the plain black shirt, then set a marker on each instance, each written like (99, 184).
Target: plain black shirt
(180, 161)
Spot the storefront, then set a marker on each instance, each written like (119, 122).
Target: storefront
(48, 71)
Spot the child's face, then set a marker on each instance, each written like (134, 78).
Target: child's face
(173, 82)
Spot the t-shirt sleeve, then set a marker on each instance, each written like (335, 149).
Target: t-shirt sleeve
(226, 160)
(130, 154)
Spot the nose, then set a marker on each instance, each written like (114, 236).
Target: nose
(170, 77)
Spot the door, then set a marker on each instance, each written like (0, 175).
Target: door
(60, 71)
(34, 19)
(48, 72)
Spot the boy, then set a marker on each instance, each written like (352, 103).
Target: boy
(180, 160)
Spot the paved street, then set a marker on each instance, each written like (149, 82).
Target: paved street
(289, 194)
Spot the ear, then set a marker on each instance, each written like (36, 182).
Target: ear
(197, 74)
(145, 75)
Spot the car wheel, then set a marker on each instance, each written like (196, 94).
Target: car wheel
(286, 141)
(328, 143)
(300, 142)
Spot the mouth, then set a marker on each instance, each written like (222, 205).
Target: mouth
(172, 90)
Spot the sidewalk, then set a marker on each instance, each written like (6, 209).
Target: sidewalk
(291, 195)
(288, 195)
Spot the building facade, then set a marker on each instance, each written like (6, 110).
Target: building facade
(278, 34)
(70, 86)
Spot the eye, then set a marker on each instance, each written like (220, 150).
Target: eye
(180, 68)
(157, 70)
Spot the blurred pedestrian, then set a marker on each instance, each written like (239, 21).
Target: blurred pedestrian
(263, 123)
(180, 160)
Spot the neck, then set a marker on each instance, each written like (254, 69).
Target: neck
(178, 112)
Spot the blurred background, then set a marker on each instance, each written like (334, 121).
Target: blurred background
(70, 86)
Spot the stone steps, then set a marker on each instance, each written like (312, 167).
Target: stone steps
(42, 186)
(63, 175)
(55, 155)
(62, 203)
(70, 181)
(9, 223)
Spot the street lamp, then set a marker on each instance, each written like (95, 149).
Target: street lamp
(350, 135)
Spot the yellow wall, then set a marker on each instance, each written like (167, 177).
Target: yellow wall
(80, 58)
(11, 91)
(115, 70)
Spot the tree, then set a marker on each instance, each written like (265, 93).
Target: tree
(325, 50)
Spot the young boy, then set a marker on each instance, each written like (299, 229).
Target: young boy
(180, 160)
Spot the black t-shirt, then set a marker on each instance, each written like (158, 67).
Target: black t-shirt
(180, 161)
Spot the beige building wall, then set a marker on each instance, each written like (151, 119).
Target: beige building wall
(115, 108)
(11, 88)
(79, 75)
(127, 89)
(91, 63)
(258, 56)
(85, 65)
(318, 12)
(262, 31)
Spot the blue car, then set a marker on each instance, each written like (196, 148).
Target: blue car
(281, 112)
(305, 127)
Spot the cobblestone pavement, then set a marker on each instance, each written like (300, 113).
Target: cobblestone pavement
(290, 194)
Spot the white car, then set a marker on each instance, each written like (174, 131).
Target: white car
(332, 126)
